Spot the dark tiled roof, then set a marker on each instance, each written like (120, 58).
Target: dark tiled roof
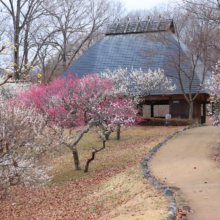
(133, 51)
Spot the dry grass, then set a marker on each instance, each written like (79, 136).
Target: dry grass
(113, 189)
(130, 197)
(134, 145)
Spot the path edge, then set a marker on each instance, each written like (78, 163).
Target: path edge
(166, 190)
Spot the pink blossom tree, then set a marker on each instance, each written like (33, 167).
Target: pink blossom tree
(79, 104)
(58, 110)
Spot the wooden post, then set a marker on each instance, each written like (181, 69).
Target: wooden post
(170, 105)
(152, 110)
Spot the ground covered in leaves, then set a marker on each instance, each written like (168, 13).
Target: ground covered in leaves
(114, 188)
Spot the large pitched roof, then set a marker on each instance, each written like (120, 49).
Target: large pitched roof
(129, 48)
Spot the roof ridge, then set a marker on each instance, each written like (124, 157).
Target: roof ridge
(130, 27)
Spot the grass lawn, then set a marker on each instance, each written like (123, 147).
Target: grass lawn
(113, 189)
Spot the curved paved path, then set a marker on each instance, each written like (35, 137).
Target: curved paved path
(185, 164)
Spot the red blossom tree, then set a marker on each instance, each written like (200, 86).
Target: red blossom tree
(79, 104)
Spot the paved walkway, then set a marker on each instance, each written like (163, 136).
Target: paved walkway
(185, 165)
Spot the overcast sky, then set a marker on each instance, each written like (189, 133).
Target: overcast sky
(142, 4)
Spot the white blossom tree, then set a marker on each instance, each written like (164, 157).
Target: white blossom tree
(9, 88)
(21, 146)
(212, 86)
(138, 83)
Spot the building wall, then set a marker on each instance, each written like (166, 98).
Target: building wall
(178, 106)
(158, 111)
(208, 120)
(146, 111)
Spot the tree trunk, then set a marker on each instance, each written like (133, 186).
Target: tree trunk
(16, 56)
(118, 131)
(191, 110)
(16, 41)
(93, 157)
(26, 43)
(76, 159)
(107, 136)
(64, 50)
(88, 162)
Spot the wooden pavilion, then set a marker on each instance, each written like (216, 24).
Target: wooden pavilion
(123, 46)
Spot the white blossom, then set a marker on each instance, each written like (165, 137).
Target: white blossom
(21, 146)
(212, 86)
(138, 83)
(9, 89)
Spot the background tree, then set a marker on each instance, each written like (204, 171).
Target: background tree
(6, 72)
(77, 24)
(53, 33)
(206, 10)
(200, 17)
(22, 13)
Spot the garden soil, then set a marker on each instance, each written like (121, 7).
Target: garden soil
(185, 164)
